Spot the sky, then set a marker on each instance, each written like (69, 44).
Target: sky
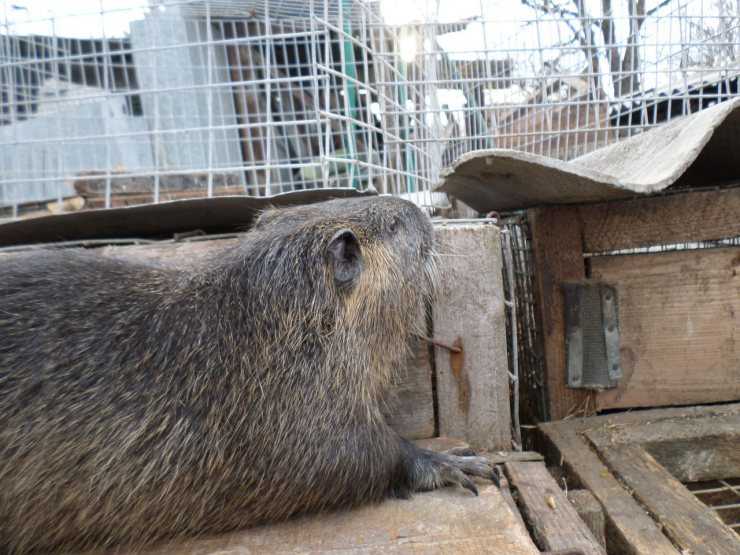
(71, 18)
(83, 18)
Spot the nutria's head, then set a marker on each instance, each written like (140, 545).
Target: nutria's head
(358, 268)
(382, 242)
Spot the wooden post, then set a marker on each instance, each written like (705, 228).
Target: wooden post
(472, 386)
(558, 255)
(554, 522)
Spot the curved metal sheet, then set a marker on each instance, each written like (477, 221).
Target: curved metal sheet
(696, 150)
(212, 215)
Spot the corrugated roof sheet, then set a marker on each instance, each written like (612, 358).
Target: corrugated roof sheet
(697, 150)
(217, 214)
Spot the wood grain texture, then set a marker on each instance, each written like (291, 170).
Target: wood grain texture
(691, 447)
(448, 521)
(630, 530)
(472, 389)
(590, 511)
(679, 319)
(411, 406)
(690, 524)
(678, 218)
(556, 246)
(554, 522)
(701, 459)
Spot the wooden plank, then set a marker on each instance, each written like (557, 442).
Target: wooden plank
(697, 460)
(472, 387)
(182, 255)
(690, 447)
(554, 522)
(690, 426)
(556, 246)
(679, 318)
(690, 524)
(411, 408)
(441, 522)
(630, 530)
(653, 417)
(679, 218)
(590, 511)
(495, 457)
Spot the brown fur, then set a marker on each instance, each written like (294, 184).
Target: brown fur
(140, 403)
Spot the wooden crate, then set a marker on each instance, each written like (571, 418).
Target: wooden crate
(679, 310)
(636, 464)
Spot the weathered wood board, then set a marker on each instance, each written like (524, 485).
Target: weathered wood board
(630, 529)
(554, 521)
(446, 521)
(472, 386)
(692, 446)
(679, 320)
(558, 255)
(680, 218)
(449, 521)
(687, 521)
(615, 457)
(411, 404)
(679, 312)
(699, 459)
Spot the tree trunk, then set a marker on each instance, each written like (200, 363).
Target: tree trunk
(629, 81)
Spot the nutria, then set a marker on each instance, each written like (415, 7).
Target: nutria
(139, 402)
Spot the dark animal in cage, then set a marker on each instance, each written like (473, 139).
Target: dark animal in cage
(138, 402)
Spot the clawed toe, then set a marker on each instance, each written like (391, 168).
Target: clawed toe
(454, 476)
(428, 470)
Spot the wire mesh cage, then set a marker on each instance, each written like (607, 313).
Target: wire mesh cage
(561, 78)
(178, 99)
(118, 102)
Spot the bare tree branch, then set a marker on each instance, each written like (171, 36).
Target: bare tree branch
(610, 41)
(663, 4)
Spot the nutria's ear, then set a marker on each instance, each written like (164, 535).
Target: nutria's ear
(345, 257)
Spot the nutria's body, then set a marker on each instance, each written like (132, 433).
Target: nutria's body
(139, 403)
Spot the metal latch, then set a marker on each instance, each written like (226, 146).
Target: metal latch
(592, 335)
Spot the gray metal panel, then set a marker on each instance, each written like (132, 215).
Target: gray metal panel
(591, 335)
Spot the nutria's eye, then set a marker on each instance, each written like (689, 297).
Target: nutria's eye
(345, 257)
(394, 225)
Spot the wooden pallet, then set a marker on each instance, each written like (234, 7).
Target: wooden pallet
(634, 464)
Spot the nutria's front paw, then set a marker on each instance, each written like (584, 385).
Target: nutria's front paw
(428, 470)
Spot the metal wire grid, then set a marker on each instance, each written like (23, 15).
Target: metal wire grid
(209, 97)
(561, 78)
(672, 247)
(194, 103)
(522, 329)
(722, 496)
